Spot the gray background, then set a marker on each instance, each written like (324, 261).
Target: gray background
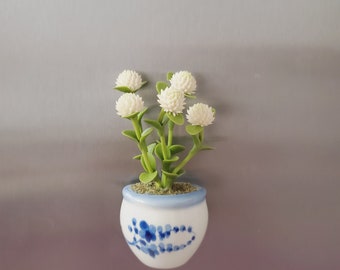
(271, 69)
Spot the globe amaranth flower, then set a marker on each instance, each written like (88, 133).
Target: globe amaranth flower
(200, 114)
(130, 79)
(172, 100)
(128, 104)
(183, 80)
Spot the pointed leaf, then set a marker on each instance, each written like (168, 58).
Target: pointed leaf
(141, 114)
(124, 89)
(176, 148)
(161, 86)
(193, 129)
(146, 177)
(180, 173)
(131, 116)
(138, 157)
(130, 134)
(143, 83)
(190, 96)
(146, 133)
(178, 119)
(169, 75)
(153, 123)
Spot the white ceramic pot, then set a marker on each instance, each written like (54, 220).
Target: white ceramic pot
(164, 231)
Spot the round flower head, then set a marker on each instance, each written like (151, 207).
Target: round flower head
(130, 79)
(128, 104)
(172, 100)
(183, 80)
(200, 114)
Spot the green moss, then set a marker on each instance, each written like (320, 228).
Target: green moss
(153, 189)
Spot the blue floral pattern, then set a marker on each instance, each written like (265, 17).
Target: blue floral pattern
(152, 239)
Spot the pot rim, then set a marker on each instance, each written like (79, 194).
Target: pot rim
(165, 201)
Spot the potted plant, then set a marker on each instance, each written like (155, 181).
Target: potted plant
(163, 220)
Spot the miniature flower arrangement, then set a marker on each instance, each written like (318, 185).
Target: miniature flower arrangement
(163, 221)
(159, 158)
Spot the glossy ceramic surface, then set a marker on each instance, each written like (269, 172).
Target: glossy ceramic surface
(164, 231)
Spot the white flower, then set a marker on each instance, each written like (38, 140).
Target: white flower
(128, 104)
(130, 79)
(200, 114)
(183, 80)
(172, 100)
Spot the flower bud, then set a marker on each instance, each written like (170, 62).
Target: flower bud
(128, 104)
(172, 100)
(130, 79)
(200, 114)
(183, 80)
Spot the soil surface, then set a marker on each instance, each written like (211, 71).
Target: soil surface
(151, 188)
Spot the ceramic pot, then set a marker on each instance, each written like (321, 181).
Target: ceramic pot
(164, 231)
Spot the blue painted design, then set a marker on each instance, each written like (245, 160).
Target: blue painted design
(154, 240)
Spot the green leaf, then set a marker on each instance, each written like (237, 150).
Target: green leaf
(124, 89)
(146, 133)
(152, 161)
(130, 134)
(178, 119)
(153, 123)
(176, 148)
(190, 96)
(141, 114)
(143, 164)
(169, 75)
(151, 147)
(146, 177)
(180, 173)
(143, 83)
(171, 160)
(158, 151)
(170, 175)
(193, 129)
(131, 116)
(206, 147)
(138, 157)
(161, 86)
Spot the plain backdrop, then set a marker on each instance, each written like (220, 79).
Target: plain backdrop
(270, 68)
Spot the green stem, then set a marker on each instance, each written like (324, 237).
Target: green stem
(161, 116)
(194, 150)
(137, 127)
(141, 144)
(170, 132)
(198, 141)
(161, 134)
(166, 182)
(201, 136)
(164, 147)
